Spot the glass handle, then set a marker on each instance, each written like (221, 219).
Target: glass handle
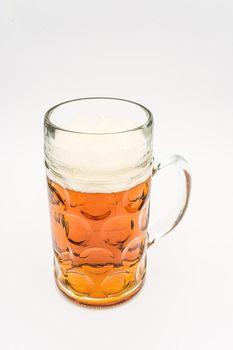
(184, 178)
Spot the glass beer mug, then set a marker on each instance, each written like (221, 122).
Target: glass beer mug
(99, 163)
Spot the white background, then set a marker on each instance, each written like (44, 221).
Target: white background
(176, 58)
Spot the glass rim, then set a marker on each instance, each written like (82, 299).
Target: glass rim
(147, 123)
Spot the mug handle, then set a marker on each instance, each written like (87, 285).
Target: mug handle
(184, 177)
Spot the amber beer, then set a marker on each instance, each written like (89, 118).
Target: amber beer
(99, 241)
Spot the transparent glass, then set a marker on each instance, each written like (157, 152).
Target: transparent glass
(99, 164)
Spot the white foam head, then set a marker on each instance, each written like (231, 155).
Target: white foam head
(98, 145)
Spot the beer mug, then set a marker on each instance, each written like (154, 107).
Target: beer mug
(99, 163)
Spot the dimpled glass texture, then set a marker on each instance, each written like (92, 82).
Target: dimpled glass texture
(98, 156)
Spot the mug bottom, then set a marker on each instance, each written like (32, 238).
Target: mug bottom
(110, 300)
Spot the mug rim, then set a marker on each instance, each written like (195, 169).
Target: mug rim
(148, 122)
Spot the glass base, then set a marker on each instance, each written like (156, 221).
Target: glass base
(111, 300)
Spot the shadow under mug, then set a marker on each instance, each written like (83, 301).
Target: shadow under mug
(99, 163)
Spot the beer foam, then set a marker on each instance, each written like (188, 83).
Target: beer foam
(104, 160)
